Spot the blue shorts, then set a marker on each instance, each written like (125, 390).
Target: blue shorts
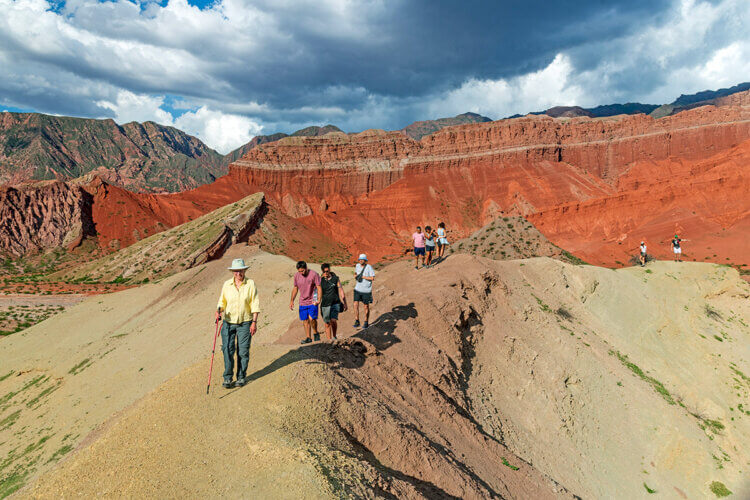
(418, 251)
(306, 312)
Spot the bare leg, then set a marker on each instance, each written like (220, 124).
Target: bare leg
(417, 261)
(314, 325)
(307, 327)
(356, 311)
(328, 331)
(367, 313)
(334, 327)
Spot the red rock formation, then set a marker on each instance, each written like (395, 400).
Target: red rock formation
(580, 180)
(47, 215)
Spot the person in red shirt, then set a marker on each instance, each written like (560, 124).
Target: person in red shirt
(419, 245)
(307, 282)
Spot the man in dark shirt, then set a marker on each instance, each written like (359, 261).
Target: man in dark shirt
(333, 300)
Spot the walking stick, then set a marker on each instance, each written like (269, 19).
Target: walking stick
(213, 350)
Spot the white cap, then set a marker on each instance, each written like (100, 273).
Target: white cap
(362, 256)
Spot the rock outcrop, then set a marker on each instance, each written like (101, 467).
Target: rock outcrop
(48, 215)
(181, 247)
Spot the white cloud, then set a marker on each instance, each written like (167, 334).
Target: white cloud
(550, 86)
(220, 131)
(131, 107)
(223, 132)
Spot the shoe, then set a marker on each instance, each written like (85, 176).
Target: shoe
(240, 382)
(356, 324)
(416, 267)
(365, 325)
(316, 337)
(227, 385)
(306, 340)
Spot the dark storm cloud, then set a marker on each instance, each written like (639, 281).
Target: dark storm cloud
(280, 64)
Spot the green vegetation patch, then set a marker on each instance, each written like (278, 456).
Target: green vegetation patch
(649, 490)
(80, 366)
(505, 463)
(6, 375)
(718, 489)
(59, 453)
(658, 386)
(8, 421)
(539, 301)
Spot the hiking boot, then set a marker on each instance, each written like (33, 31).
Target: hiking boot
(316, 337)
(227, 385)
(240, 382)
(306, 340)
(365, 325)
(356, 324)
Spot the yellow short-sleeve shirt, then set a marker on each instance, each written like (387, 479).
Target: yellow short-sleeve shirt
(239, 304)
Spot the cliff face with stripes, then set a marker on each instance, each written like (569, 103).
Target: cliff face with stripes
(593, 186)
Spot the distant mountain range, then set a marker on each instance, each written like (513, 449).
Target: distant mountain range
(685, 101)
(152, 157)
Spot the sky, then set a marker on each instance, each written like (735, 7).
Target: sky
(228, 70)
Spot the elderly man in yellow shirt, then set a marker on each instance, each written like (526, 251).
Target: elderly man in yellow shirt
(239, 302)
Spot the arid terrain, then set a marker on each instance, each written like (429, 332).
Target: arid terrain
(533, 361)
(524, 378)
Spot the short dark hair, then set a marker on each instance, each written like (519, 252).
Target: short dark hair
(419, 227)
(325, 266)
(302, 265)
(442, 224)
(427, 228)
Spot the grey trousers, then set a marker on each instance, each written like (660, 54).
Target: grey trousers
(239, 333)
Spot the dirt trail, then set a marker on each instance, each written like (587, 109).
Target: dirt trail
(477, 378)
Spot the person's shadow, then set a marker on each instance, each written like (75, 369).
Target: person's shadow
(344, 353)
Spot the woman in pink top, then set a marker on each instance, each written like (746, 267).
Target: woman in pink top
(419, 244)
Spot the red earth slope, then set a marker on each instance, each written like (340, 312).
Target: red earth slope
(593, 186)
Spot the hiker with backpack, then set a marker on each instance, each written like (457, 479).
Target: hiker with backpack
(307, 283)
(240, 305)
(364, 275)
(333, 300)
(429, 245)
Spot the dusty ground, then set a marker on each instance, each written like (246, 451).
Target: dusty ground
(20, 311)
(605, 383)
(509, 237)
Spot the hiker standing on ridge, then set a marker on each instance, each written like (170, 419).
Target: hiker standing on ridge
(240, 304)
(643, 253)
(419, 246)
(676, 248)
(307, 282)
(442, 240)
(364, 275)
(333, 300)
(429, 244)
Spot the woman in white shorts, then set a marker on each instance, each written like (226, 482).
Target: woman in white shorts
(442, 241)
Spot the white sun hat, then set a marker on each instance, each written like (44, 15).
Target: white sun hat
(238, 265)
(362, 257)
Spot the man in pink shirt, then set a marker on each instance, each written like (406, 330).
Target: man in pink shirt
(307, 282)
(419, 245)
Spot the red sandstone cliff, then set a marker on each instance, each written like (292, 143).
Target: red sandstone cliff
(578, 179)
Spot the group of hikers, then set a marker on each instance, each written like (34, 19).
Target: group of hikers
(239, 305)
(675, 245)
(425, 243)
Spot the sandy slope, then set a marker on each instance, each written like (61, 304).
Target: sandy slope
(81, 367)
(467, 366)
